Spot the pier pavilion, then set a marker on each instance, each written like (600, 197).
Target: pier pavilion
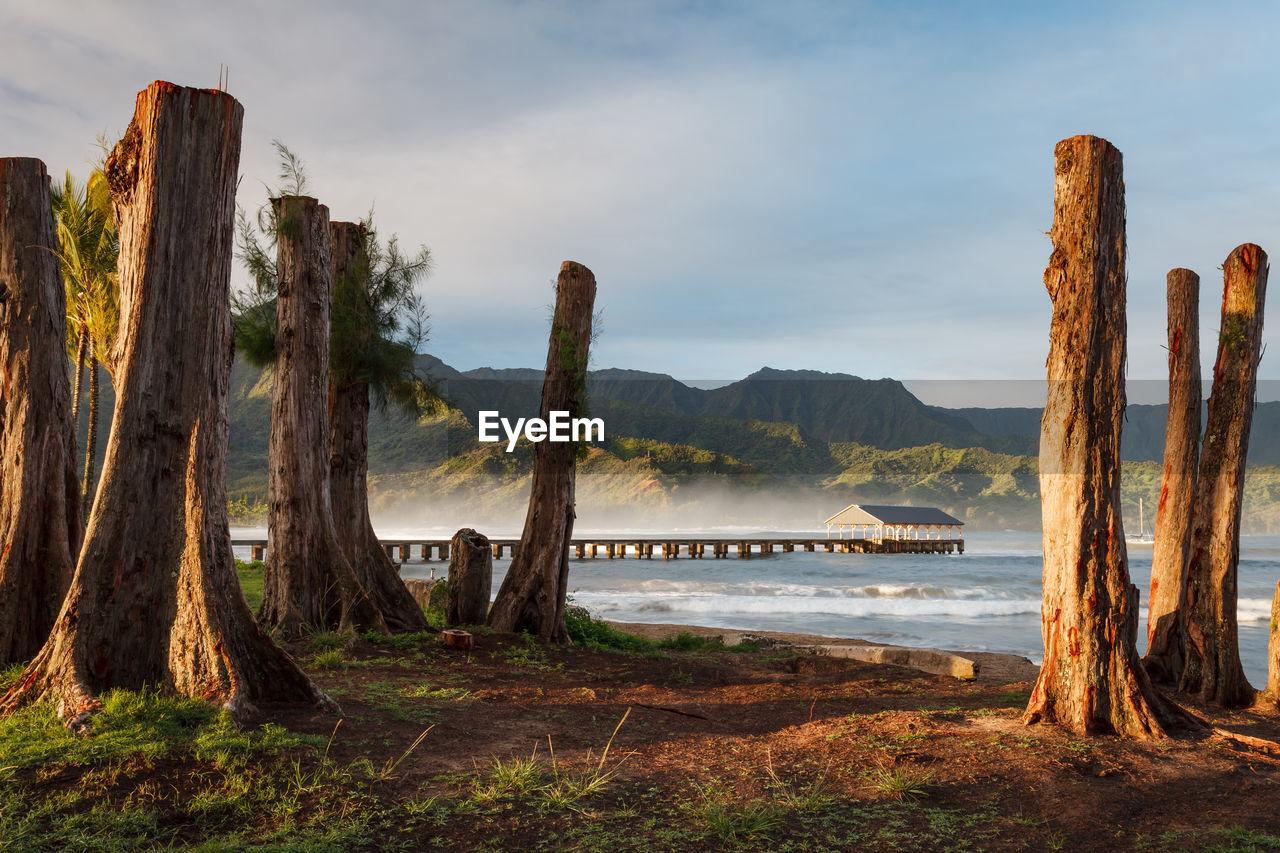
(895, 523)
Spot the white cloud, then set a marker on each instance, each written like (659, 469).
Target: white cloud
(837, 186)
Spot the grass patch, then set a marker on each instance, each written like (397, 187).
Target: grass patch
(799, 795)
(567, 789)
(131, 725)
(1237, 839)
(444, 694)
(594, 634)
(251, 582)
(686, 642)
(900, 783)
(322, 640)
(9, 675)
(332, 659)
(530, 655)
(729, 820)
(511, 778)
(406, 642)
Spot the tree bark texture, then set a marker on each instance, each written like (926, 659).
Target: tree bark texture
(1212, 669)
(1166, 619)
(308, 582)
(1091, 680)
(1273, 649)
(532, 594)
(470, 578)
(349, 464)
(155, 601)
(39, 497)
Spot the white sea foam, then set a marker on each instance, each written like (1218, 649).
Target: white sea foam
(663, 586)
(1253, 610)
(682, 605)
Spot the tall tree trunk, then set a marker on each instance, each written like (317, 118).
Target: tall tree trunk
(1166, 619)
(82, 350)
(308, 582)
(1212, 668)
(155, 600)
(1273, 649)
(91, 440)
(349, 458)
(532, 594)
(1091, 680)
(39, 501)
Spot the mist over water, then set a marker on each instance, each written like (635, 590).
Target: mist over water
(987, 599)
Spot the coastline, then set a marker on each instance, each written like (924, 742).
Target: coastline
(994, 668)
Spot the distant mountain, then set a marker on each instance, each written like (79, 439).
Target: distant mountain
(1142, 437)
(825, 406)
(801, 442)
(838, 407)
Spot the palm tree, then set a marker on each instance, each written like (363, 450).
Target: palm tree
(88, 245)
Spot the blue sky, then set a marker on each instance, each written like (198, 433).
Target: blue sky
(852, 187)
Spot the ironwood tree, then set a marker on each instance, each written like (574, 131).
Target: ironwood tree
(1165, 616)
(1273, 649)
(373, 325)
(532, 595)
(155, 601)
(372, 295)
(1212, 668)
(308, 582)
(39, 498)
(1091, 680)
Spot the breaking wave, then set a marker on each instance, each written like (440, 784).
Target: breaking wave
(852, 605)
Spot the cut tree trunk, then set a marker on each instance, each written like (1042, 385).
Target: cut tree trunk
(470, 578)
(349, 462)
(532, 594)
(1091, 680)
(155, 601)
(1212, 669)
(39, 497)
(1273, 650)
(1166, 620)
(308, 582)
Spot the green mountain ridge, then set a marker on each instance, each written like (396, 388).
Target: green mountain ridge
(755, 452)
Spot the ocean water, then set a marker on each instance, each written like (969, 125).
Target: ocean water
(987, 599)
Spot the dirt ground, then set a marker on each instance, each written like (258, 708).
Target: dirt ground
(691, 747)
(740, 727)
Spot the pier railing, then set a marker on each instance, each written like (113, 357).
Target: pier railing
(669, 548)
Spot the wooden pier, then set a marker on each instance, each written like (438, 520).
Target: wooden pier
(666, 548)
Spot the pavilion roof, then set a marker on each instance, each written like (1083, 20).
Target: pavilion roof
(893, 515)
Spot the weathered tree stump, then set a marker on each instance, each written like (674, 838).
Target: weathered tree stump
(1091, 680)
(470, 578)
(349, 462)
(1212, 669)
(420, 589)
(532, 594)
(39, 497)
(1273, 650)
(307, 580)
(155, 601)
(1165, 617)
(454, 638)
